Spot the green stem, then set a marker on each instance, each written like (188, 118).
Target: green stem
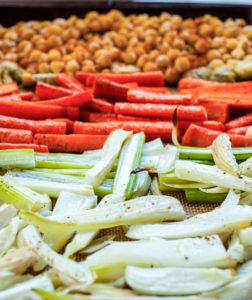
(195, 195)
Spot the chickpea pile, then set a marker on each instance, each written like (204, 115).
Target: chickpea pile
(118, 43)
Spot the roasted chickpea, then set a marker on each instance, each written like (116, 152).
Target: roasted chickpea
(54, 41)
(213, 54)
(150, 67)
(88, 68)
(72, 66)
(103, 60)
(11, 56)
(172, 54)
(43, 67)
(142, 60)
(27, 80)
(129, 57)
(93, 46)
(232, 43)
(182, 64)
(216, 63)
(115, 53)
(202, 45)
(57, 66)
(238, 53)
(27, 34)
(36, 56)
(171, 75)
(162, 61)
(121, 41)
(54, 54)
(32, 68)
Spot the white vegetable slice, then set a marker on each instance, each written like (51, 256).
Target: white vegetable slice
(246, 167)
(211, 175)
(167, 159)
(214, 190)
(81, 240)
(59, 262)
(233, 198)
(245, 236)
(246, 198)
(19, 291)
(153, 147)
(239, 288)
(162, 253)
(146, 209)
(235, 248)
(245, 268)
(18, 260)
(223, 156)
(216, 221)
(8, 279)
(7, 212)
(8, 235)
(110, 152)
(154, 187)
(175, 281)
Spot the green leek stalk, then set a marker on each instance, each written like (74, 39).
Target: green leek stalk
(22, 158)
(195, 195)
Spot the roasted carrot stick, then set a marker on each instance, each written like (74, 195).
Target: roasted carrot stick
(15, 136)
(195, 84)
(43, 126)
(45, 91)
(240, 122)
(110, 90)
(8, 88)
(153, 89)
(100, 105)
(69, 123)
(82, 77)
(73, 143)
(145, 79)
(15, 97)
(77, 99)
(138, 96)
(131, 84)
(153, 129)
(218, 126)
(36, 111)
(217, 111)
(239, 130)
(203, 137)
(196, 113)
(66, 80)
(137, 119)
(37, 148)
(92, 116)
(26, 96)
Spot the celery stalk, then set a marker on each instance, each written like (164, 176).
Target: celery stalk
(195, 195)
(20, 196)
(23, 158)
(129, 160)
(105, 188)
(142, 184)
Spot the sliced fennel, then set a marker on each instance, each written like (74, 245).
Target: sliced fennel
(129, 160)
(110, 151)
(211, 175)
(20, 290)
(81, 240)
(8, 279)
(154, 187)
(216, 221)
(7, 212)
(20, 196)
(175, 281)
(18, 260)
(162, 253)
(17, 158)
(233, 198)
(147, 209)
(235, 248)
(153, 147)
(167, 159)
(142, 184)
(52, 258)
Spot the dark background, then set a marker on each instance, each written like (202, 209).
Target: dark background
(12, 11)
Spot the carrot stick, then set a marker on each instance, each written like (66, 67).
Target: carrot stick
(197, 113)
(37, 148)
(43, 126)
(91, 116)
(110, 90)
(203, 137)
(217, 111)
(8, 88)
(15, 97)
(240, 122)
(69, 124)
(153, 129)
(72, 143)
(36, 111)
(66, 80)
(78, 99)
(239, 130)
(26, 96)
(131, 84)
(15, 136)
(144, 79)
(45, 91)
(184, 125)
(100, 105)
(195, 84)
(138, 96)
(82, 77)
(152, 89)
(133, 118)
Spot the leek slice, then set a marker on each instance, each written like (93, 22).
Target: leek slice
(7, 212)
(8, 279)
(20, 196)
(18, 260)
(128, 161)
(22, 290)
(153, 147)
(23, 158)
(233, 198)
(216, 221)
(110, 151)
(147, 209)
(211, 175)
(159, 253)
(175, 281)
(142, 184)
(59, 262)
(235, 248)
(167, 159)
